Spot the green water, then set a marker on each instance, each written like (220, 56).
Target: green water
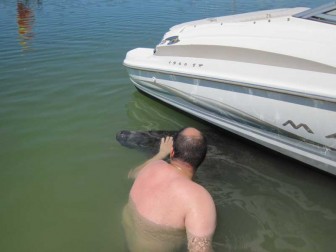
(64, 94)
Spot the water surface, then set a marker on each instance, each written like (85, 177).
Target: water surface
(64, 94)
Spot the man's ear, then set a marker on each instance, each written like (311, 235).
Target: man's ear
(172, 153)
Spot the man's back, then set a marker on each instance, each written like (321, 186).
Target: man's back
(165, 199)
(163, 195)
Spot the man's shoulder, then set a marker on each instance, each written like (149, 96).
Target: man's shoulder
(157, 163)
(153, 165)
(202, 192)
(193, 191)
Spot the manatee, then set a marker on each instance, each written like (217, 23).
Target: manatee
(147, 141)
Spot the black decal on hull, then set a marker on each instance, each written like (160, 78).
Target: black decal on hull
(299, 126)
(331, 136)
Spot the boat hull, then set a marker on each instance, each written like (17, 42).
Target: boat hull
(268, 76)
(284, 122)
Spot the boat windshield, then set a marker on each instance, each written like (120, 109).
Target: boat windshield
(325, 13)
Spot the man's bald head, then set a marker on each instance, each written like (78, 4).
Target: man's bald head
(190, 146)
(191, 132)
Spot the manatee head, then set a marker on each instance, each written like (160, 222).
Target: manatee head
(144, 140)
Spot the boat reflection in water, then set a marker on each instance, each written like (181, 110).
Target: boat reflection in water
(25, 21)
(268, 76)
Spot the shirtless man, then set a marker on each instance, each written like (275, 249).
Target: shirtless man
(165, 195)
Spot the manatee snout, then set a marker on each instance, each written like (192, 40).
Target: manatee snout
(137, 139)
(145, 140)
(129, 138)
(122, 136)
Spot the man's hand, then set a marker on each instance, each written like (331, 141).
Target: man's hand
(165, 147)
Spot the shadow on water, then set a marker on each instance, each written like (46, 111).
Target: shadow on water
(265, 201)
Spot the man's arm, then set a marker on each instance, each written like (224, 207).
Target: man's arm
(201, 223)
(165, 149)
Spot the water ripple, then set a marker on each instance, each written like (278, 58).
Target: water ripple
(64, 93)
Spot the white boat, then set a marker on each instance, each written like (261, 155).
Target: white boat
(269, 76)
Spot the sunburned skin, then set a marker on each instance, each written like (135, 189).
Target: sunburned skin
(165, 195)
(145, 235)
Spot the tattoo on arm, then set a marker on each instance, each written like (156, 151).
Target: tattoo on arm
(199, 244)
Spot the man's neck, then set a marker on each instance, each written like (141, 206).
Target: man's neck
(183, 168)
